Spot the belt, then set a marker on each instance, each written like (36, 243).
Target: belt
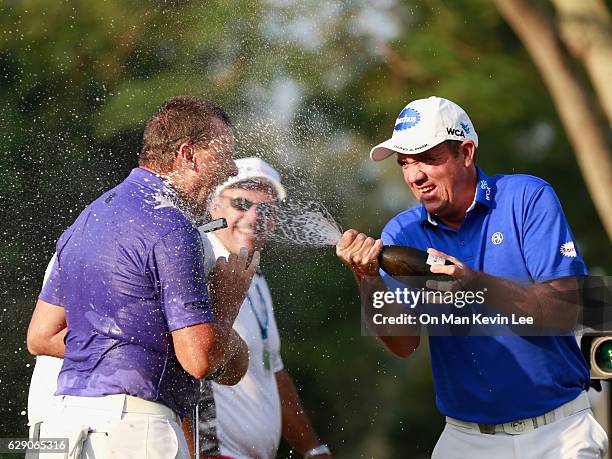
(522, 426)
(139, 405)
(126, 403)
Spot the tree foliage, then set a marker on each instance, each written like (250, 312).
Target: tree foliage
(311, 86)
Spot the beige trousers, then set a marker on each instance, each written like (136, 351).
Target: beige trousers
(578, 436)
(105, 431)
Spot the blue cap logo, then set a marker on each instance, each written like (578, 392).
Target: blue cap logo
(407, 118)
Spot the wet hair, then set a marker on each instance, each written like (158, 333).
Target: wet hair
(179, 119)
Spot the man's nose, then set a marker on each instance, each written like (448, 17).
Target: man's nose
(416, 175)
(251, 215)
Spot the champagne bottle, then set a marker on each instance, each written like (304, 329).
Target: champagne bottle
(399, 260)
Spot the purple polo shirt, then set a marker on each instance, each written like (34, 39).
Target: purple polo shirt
(128, 272)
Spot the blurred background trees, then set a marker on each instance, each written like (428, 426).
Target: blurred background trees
(586, 29)
(311, 85)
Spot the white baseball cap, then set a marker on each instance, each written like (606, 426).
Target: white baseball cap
(255, 169)
(423, 124)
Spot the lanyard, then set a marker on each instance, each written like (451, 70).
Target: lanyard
(263, 324)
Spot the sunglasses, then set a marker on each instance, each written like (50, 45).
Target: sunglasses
(244, 205)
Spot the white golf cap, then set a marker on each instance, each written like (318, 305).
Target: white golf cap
(255, 169)
(423, 124)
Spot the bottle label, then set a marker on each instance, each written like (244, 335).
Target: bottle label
(434, 260)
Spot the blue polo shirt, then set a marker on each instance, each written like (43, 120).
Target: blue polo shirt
(128, 272)
(515, 229)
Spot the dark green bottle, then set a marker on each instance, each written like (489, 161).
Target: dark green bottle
(400, 260)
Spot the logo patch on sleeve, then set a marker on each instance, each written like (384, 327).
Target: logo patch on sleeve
(568, 249)
(197, 305)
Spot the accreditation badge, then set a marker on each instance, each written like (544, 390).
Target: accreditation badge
(266, 355)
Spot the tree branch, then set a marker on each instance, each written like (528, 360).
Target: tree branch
(576, 112)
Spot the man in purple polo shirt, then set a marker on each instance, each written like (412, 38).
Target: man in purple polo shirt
(125, 301)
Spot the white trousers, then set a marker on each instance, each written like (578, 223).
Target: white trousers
(105, 431)
(578, 436)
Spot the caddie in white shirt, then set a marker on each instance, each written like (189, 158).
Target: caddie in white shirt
(248, 419)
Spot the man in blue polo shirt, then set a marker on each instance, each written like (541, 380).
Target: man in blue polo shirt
(503, 396)
(125, 300)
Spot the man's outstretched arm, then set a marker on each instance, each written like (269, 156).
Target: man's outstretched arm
(204, 348)
(360, 253)
(297, 429)
(554, 304)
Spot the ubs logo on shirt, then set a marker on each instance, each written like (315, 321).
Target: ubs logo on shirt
(497, 238)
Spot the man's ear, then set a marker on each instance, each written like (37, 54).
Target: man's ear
(186, 152)
(468, 151)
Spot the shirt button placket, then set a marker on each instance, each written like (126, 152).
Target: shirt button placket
(461, 236)
(460, 244)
